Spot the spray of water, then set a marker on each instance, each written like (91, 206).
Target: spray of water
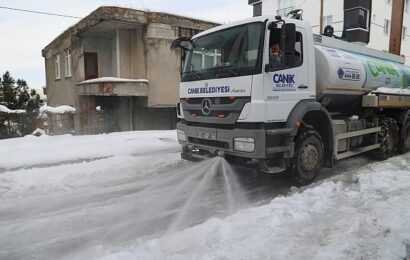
(188, 196)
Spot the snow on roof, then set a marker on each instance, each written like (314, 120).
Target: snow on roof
(398, 91)
(4, 109)
(113, 79)
(57, 110)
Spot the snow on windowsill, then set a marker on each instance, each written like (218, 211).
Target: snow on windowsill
(4, 109)
(57, 110)
(113, 79)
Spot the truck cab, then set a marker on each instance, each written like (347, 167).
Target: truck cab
(262, 109)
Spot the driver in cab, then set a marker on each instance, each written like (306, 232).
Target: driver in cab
(275, 55)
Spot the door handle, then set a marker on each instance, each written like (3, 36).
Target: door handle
(302, 87)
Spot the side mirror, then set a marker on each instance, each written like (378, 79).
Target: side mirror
(177, 43)
(288, 42)
(288, 38)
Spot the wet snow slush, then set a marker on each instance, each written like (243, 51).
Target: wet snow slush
(130, 196)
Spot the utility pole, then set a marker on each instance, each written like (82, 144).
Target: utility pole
(396, 26)
(321, 16)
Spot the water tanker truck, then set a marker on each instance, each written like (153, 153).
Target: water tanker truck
(321, 100)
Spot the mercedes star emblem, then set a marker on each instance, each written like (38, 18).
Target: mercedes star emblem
(206, 106)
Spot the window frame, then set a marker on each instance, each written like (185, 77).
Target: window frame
(68, 63)
(386, 27)
(301, 55)
(57, 67)
(87, 77)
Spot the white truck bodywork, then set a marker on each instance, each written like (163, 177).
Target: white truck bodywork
(269, 109)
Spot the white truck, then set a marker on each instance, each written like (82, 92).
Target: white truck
(326, 100)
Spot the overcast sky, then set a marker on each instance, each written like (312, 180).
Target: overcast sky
(24, 35)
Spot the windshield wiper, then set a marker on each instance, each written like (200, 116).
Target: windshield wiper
(192, 73)
(222, 71)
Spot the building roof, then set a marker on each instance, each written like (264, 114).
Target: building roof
(129, 16)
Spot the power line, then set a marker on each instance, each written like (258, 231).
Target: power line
(38, 12)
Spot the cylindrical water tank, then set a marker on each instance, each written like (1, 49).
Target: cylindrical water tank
(341, 72)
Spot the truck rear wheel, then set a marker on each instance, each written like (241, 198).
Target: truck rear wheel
(388, 138)
(308, 158)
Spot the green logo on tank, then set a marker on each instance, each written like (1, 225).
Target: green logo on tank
(378, 68)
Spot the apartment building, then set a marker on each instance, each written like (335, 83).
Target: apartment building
(380, 20)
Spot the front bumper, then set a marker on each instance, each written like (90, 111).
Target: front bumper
(269, 144)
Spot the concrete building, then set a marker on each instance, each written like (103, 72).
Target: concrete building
(333, 15)
(116, 68)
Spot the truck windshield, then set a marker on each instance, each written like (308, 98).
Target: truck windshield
(227, 53)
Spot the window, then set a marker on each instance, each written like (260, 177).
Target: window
(327, 20)
(404, 33)
(386, 28)
(257, 9)
(68, 63)
(232, 52)
(90, 65)
(57, 66)
(275, 40)
(356, 18)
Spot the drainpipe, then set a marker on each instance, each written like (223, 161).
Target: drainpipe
(117, 43)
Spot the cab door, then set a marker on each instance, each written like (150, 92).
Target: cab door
(284, 85)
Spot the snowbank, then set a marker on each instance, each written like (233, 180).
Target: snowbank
(29, 151)
(366, 218)
(79, 197)
(57, 110)
(113, 79)
(4, 109)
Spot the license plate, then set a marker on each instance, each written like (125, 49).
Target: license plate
(208, 134)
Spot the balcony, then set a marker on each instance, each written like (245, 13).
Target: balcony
(109, 86)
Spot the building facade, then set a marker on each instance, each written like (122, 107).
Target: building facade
(117, 69)
(380, 28)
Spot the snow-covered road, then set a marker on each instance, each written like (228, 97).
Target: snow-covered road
(129, 196)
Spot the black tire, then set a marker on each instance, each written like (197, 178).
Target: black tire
(388, 138)
(404, 145)
(308, 158)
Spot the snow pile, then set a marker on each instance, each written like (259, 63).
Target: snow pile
(57, 110)
(29, 151)
(113, 79)
(4, 109)
(39, 132)
(367, 218)
(398, 91)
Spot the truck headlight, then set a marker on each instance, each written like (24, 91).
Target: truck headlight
(181, 135)
(244, 144)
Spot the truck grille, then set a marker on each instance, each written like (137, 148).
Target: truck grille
(222, 110)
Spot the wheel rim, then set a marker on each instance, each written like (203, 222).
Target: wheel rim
(309, 158)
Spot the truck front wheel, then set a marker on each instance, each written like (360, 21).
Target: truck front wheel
(308, 157)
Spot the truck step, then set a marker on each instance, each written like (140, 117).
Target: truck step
(277, 149)
(283, 131)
